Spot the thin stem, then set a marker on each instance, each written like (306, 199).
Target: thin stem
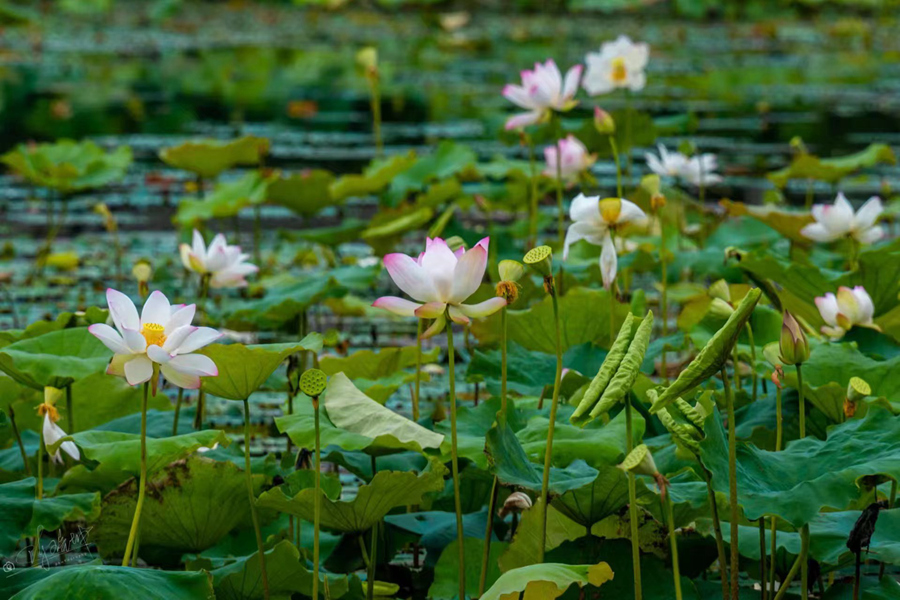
(632, 505)
(376, 115)
(802, 403)
(779, 419)
(753, 375)
(773, 549)
(533, 195)
(457, 502)
(418, 369)
(804, 563)
(257, 233)
(503, 365)
(317, 509)
(15, 429)
(488, 534)
(177, 411)
(628, 132)
(891, 501)
(373, 554)
(809, 194)
(69, 410)
(561, 215)
(39, 493)
(717, 527)
(673, 542)
(804, 548)
(142, 484)
(732, 483)
(615, 152)
(762, 558)
(554, 405)
(664, 294)
(248, 477)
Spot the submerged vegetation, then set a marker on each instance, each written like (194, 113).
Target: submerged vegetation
(348, 303)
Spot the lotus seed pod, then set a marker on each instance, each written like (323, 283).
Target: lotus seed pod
(720, 290)
(541, 260)
(52, 395)
(312, 383)
(511, 270)
(640, 461)
(858, 389)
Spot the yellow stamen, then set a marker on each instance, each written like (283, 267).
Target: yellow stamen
(45, 408)
(610, 208)
(154, 334)
(619, 71)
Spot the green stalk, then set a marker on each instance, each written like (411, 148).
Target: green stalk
(615, 152)
(457, 502)
(804, 549)
(804, 563)
(762, 557)
(779, 421)
(503, 364)
(177, 411)
(533, 196)
(632, 505)
(802, 403)
(754, 377)
(370, 573)
(418, 369)
(39, 492)
(773, 549)
(15, 429)
(664, 297)
(628, 132)
(248, 477)
(317, 509)
(560, 213)
(257, 234)
(375, 103)
(548, 454)
(142, 484)
(673, 541)
(69, 410)
(717, 527)
(891, 502)
(732, 484)
(809, 194)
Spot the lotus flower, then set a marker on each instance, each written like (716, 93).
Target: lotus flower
(162, 335)
(593, 219)
(850, 307)
(542, 90)
(224, 264)
(619, 64)
(793, 346)
(52, 434)
(668, 164)
(839, 220)
(439, 280)
(575, 158)
(701, 170)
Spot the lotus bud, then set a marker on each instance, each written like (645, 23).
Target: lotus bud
(604, 122)
(720, 289)
(367, 60)
(109, 222)
(312, 383)
(142, 272)
(857, 390)
(455, 243)
(720, 309)
(540, 259)
(794, 345)
(517, 502)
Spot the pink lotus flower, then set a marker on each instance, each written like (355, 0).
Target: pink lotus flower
(225, 264)
(839, 220)
(542, 90)
(440, 280)
(575, 158)
(850, 307)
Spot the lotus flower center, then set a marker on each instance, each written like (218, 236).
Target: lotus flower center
(154, 333)
(619, 71)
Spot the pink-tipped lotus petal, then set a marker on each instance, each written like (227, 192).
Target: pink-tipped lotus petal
(180, 317)
(194, 364)
(468, 274)
(122, 310)
(179, 379)
(431, 310)
(398, 306)
(156, 309)
(202, 336)
(482, 309)
(109, 337)
(158, 355)
(458, 317)
(413, 279)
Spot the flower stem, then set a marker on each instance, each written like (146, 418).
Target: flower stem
(177, 411)
(786, 583)
(533, 195)
(664, 295)
(673, 541)
(778, 419)
(69, 410)
(375, 103)
(717, 527)
(773, 549)
(248, 477)
(753, 377)
(560, 215)
(503, 364)
(418, 369)
(370, 573)
(39, 493)
(632, 504)
(142, 484)
(488, 533)
(18, 436)
(732, 483)
(454, 462)
(804, 563)
(317, 509)
(257, 234)
(762, 557)
(802, 403)
(554, 405)
(615, 152)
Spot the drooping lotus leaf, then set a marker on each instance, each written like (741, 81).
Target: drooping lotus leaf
(103, 582)
(190, 506)
(711, 358)
(287, 575)
(68, 166)
(786, 222)
(447, 570)
(209, 158)
(809, 474)
(55, 359)
(525, 546)
(546, 581)
(226, 200)
(351, 410)
(243, 369)
(386, 491)
(374, 178)
(605, 495)
(306, 193)
(21, 515)
(512, 466)
(832, 170)
(367, 364)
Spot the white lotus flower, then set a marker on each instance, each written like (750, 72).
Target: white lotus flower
(224, 264)
(850, 307)
(575, 158)
(163, 335)
(592, 220)
(701, 170)
(668, 164)
(619, 64)
(839, 220)
(52, 434)
(542, 90)
(440, 280)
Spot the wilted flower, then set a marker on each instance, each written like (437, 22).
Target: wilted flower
(52, 432)
(440, 280)
(542, 90)
(619, 64)
(161, 337)
(839, 220)
(510, 272)
(794, 346)
(224, 264)
(850, 307)
(575, 158)
(517, 502)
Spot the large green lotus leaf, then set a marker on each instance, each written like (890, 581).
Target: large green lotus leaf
(448, 160)
(287, 575)
(447, 570)
(348, 230)
(306, 193)
(351, 410)
(786, 222)
(599, 446)
(832, 170)
(55, 359)
(69, 166)
(377, 176)
(226, 200)
(389, 225)
(190, 506)
(367, 364)
(583, 314)
(526, 543)
(21, 515)
(243, 369)
(809, 474)
(24, 578)
(386, 491)
(512, 467)
(102, 582)
(300, 427)
(886, 588)
(381, 389)
(288, 296)
(208, 158)
(546, 581)
(605, 495)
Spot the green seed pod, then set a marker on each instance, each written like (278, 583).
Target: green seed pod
(628, 371)
(640, 461)
(541, 260)
(510, 270)
(605, 374)
(858, 389)
(312, 383)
